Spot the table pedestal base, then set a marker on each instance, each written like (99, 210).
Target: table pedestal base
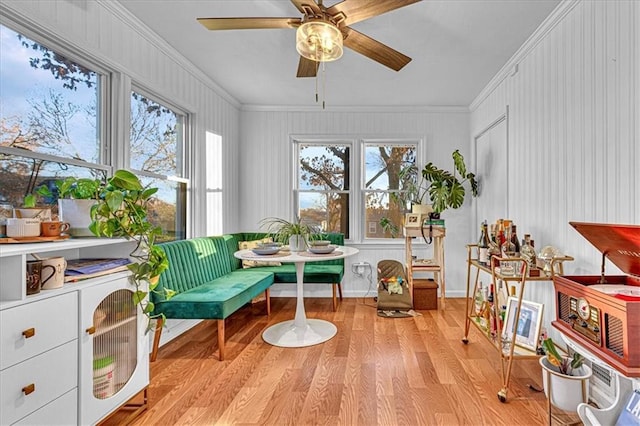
(286, 334)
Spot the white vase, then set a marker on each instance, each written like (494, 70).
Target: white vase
(297, 243)
(77, 213)
(566, 391)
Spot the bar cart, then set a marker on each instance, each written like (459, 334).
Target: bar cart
(504, 344)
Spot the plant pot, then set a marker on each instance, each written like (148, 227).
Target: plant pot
(297, 243)
(422, 209)
(566, 391)
(77, 213)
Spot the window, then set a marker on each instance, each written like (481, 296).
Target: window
(51, 117)
(214, 183)
(156, 153)
(323, 185)
(383, 161)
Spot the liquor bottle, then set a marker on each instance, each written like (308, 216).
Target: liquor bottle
(528, 253)
(493, 317)
(508, 248)
(501, 236)
(479, 299)
(514, 240)
(494, 247)
(483, 245)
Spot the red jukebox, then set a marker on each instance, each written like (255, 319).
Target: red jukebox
(602, 312)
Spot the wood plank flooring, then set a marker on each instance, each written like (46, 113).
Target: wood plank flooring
(376, 371)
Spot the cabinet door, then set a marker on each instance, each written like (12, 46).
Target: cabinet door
(114, 363)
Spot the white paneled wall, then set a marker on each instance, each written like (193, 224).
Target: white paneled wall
(574, 128)
(267, 170)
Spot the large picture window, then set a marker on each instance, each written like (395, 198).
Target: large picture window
(323, 185)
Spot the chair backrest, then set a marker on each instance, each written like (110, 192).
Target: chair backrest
(192, 263)
(391, 268)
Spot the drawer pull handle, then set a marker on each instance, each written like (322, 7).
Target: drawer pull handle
(29, 388)
(29, 332)
(91, 330)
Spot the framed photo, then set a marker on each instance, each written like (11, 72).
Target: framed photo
(527, 327)
(412, 220)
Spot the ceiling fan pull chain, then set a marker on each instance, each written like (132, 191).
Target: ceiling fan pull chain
(324, 85)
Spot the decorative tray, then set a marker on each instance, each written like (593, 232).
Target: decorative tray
(24, 240)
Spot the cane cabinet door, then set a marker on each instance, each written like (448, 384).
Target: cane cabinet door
(114, 350)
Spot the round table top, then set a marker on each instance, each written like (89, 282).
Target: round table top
(294, 257)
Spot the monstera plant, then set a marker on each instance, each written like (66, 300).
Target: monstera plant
(447, 188)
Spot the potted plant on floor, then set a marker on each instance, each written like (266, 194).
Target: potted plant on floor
(122, 211)
(297, 233)
(565, 379)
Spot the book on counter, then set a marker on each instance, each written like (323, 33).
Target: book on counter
(630, 414)
(80, 269)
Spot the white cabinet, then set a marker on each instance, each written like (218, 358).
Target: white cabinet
(72, 355)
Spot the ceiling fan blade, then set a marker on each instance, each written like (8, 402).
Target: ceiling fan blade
(307, 67)
(310, 4)
(375, 50)
(359, 10)
(249, 23)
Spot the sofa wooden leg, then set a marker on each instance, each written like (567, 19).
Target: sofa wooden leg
(267, 296)
(156, 338)
(335, 301)
(221, 340)
(340, 290)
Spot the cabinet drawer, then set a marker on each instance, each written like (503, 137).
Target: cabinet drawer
(52, 322)
(62, 411)
(52, 374)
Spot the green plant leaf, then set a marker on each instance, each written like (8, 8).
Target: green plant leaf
(458, 161)
(114, 200)
(124, 179)
(29, 201)
(139, 296)
(456, 195)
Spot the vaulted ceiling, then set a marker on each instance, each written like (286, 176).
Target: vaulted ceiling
(456, 47)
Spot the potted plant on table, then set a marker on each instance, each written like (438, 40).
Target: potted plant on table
(122, 211)
(30, 209)
(76, 197)
(297, 233)
(565, 379)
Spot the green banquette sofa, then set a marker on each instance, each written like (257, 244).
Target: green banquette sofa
(211, 284)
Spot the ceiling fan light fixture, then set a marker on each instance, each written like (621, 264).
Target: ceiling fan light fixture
(319, 40)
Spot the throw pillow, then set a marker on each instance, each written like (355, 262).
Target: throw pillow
(248, 245)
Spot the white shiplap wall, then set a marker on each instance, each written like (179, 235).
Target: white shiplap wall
(267, 170)
(574, 128)
(107, 34)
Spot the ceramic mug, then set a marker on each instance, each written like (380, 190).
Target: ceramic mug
(53, 228)
(34, 270)
(52, 275)
(23, 227)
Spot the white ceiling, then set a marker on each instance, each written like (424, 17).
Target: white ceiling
(457, 46)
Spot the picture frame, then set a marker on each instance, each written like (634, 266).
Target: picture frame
(412, 220)
(527, 327)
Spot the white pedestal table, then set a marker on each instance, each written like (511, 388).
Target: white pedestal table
(300, 331)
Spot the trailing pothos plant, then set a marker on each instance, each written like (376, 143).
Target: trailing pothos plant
(122, 211)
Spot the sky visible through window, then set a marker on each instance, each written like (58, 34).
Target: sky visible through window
(24, 89)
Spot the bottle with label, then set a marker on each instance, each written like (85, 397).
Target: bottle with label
(528, 253)
(494, 247)
(500, 231)
(479, 299)
(483, 245)
(515, 240)
(508, 249)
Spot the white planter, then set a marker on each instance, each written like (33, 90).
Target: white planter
(77, 213)
(566, 391)
(297, 243)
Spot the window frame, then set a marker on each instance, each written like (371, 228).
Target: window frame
(386, 141)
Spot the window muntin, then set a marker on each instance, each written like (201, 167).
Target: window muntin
(323, 185)
(383, 162)
(50, 103)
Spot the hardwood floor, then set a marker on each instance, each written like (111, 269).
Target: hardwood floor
(376, 371)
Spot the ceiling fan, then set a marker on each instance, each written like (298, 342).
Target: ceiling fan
(322, 31)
